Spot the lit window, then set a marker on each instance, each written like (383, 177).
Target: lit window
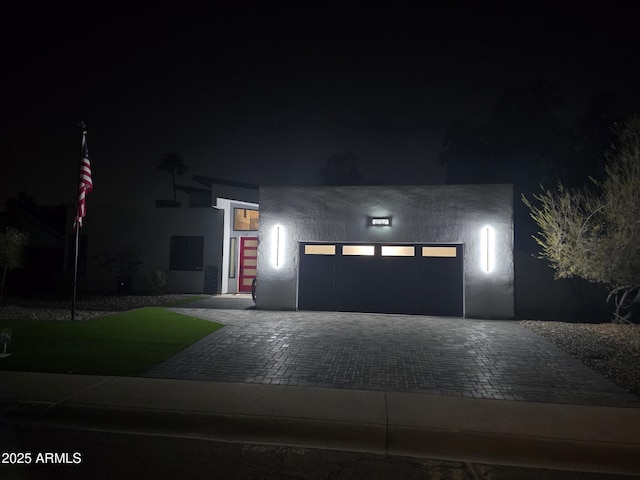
(232, 256)
(250, 243)
(245, 219)
(358, 250)
(319, 249)
(398, 251)
(439, 252)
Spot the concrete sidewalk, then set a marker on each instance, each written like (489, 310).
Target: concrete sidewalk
(558, 436)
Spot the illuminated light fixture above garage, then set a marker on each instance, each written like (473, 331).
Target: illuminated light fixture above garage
(277, 246)
(487, 249)
(379, 221)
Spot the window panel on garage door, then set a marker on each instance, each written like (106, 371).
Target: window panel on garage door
(359, 279)
(317, 278)
(381, 278)
(401, 289)
(441, 273)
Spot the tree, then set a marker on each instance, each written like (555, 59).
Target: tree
(174, 165)
(594, 233)
(340, 169)
(13, 244)
(21, 203)
(124, 262)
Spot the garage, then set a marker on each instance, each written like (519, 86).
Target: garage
(443, 250)
(424, 279)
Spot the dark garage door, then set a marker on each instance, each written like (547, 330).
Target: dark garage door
(420, 279)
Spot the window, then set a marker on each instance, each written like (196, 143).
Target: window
(439, 252)
(245, 219)
(398, 251)
(187, 253)
(319, 249)
(358, 250)
(233, 247)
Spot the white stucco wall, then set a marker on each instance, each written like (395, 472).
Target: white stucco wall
(230, 284)
(426, 214)
(150, 229)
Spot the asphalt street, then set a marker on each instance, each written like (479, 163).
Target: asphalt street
(107, 455)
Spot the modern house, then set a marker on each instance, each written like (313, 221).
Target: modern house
(434, 250)
(209, 247)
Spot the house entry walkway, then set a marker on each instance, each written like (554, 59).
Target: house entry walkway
(447, 356)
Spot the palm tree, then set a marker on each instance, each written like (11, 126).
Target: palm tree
(21, 203)
(174, 165)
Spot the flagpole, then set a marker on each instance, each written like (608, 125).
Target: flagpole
(75, 272)
(76, 227)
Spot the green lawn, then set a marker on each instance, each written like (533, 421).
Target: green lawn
(124, 344)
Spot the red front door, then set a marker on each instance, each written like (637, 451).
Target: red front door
(248, 262)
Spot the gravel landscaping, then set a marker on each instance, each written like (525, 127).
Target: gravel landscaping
(611, 349)
(87, 307)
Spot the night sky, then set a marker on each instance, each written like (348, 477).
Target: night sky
(264, 91)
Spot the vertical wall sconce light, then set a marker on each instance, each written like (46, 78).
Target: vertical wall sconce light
(277, 249)
(487, 249)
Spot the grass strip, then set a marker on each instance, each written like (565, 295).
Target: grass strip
(125, 344)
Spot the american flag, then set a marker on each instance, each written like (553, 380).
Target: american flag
(86, 183)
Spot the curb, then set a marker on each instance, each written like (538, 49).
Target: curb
(522, 434)
(381, 439)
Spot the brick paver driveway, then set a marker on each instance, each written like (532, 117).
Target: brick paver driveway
(435, 355)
